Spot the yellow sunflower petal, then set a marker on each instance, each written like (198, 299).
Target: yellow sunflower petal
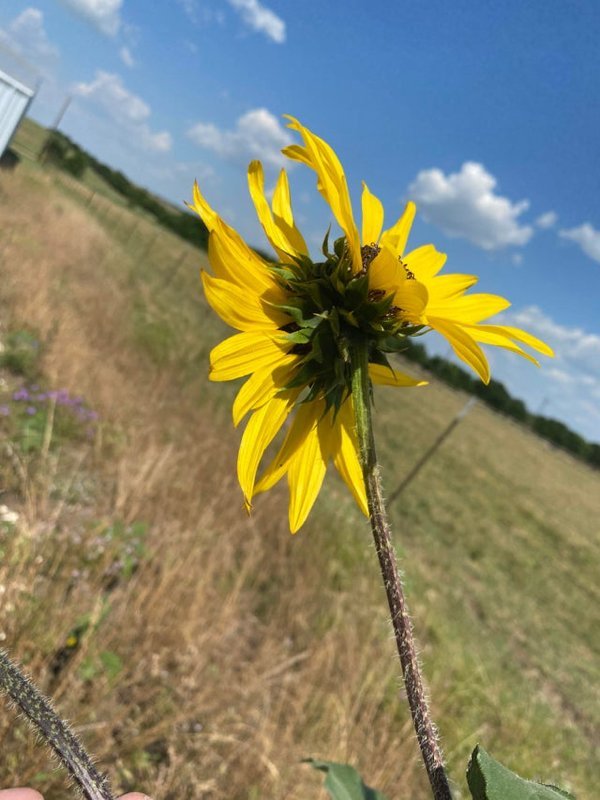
(469, 308)
(385, 272)
(262, 385)
(240, 308)
(230, 256)
(425, 262)
(305, 477)
(412, 296)
(463, 345)
(260, 431)
(346, 459)
(372, 216)
(277, 237)
(240, 265)
(243, 353)
(331, 183)
(202, 208)
(446, 287)
(521, 336)
(484, 335)
(384, 376)
(303, 421)
(396, 237)
(284, 216)
(296, 152)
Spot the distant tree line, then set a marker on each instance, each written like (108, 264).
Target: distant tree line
(60, 151)
(497, 396)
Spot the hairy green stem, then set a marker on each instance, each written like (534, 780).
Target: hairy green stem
(55, 732)
(403, 632)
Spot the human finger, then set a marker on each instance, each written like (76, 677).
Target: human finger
(130, 796)
(21, 793)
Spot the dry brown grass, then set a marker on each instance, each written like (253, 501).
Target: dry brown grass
(225, 681)
(243, 649)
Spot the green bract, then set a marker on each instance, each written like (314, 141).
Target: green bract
(330, 305)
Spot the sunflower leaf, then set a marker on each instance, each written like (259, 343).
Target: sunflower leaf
(339, 247)
(325, 245)
(293, 311)
(489, 780)
(343, 782)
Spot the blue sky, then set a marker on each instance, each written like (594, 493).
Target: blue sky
(487, 115)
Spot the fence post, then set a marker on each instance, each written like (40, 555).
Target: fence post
(428, 453)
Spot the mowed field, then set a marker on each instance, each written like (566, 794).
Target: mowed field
(202, 653)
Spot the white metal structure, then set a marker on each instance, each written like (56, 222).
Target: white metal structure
(15, 98)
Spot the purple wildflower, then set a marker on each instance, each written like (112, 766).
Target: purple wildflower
(31, 410)
(4, 411)
(21, 394)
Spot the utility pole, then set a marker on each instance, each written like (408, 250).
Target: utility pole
(54, 128)
(543, 405)
(62, 112)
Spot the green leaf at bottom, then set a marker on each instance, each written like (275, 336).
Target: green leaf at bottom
(489, 780)
(343, 782)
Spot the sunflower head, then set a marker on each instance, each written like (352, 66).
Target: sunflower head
(300, 318)
(330, 304)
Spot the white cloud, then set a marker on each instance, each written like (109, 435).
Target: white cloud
(109, 92)
(577, 352)
(159, 142)
(261, 19)
(129, 111)
(190, 8)
(566, 387)
(587, 237)
(547, 220)
(201, 15)
(464, 204)
(257, 134)
(172, 172)
(105, 15)
(559, 375)
(27, 36)
(127, 57)
(517, 259)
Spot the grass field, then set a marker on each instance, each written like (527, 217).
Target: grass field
(202, 653)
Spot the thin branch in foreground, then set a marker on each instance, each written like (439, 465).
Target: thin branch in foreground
(54, 730)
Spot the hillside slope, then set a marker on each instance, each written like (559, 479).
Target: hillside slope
(202, 653)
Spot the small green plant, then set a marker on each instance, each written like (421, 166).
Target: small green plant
(21, 354)
(343, 782)
(106, 664)
(35, 419)
(126, 546)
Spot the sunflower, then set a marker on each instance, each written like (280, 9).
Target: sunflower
(298, 319)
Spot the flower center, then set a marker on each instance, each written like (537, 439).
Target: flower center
(368, 252)
(329, 308)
